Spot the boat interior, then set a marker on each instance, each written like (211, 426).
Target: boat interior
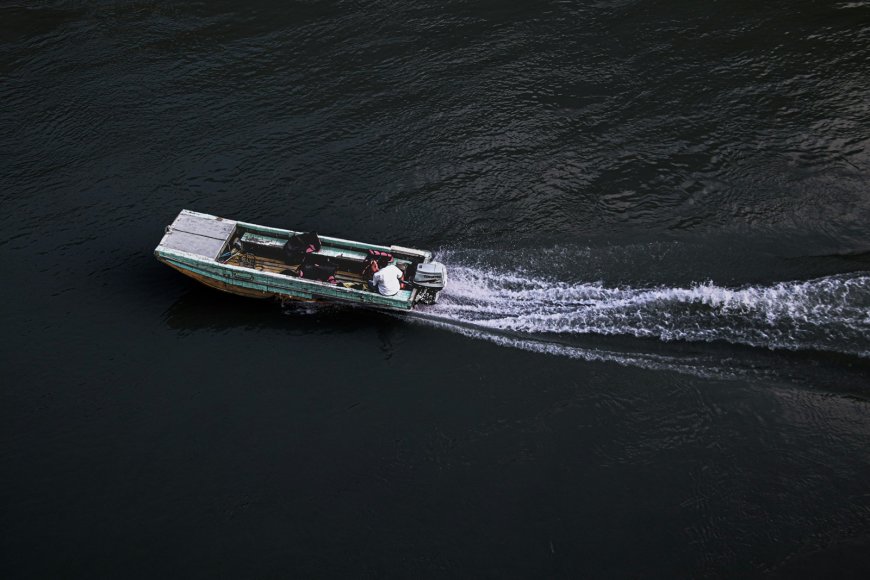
(308, 256)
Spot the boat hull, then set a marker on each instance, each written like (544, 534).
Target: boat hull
(247, 260)
(221, 285)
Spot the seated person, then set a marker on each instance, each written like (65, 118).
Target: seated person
(388, 280)
(300, 245)
(375, 260)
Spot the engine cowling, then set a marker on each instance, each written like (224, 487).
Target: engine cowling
(429, 279)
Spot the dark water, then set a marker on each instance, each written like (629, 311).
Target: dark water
(653, 359)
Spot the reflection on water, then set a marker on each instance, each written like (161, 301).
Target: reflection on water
(205, 309)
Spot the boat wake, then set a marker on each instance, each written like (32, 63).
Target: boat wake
(535, 313)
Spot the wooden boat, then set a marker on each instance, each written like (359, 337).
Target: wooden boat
(264, 262)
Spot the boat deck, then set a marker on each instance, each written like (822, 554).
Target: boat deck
(276, 266)
(198, 234)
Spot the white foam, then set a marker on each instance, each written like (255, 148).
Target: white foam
(693, 365)
(830, 313)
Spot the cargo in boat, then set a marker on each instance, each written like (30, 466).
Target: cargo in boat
(265, 262)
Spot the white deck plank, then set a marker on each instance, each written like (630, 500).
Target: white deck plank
(194, 244)
(202, 226)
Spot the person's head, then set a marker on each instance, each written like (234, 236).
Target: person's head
(401, 266)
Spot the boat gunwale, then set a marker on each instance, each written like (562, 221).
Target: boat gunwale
(425, 255)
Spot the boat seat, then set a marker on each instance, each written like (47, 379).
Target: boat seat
(347, 254)
(260, 244)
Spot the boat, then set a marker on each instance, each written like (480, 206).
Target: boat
(265, 262)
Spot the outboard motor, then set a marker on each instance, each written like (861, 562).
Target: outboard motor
(429, 279)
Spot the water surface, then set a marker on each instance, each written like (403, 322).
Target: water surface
(653, 358)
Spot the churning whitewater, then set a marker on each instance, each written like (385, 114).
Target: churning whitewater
(827, 314)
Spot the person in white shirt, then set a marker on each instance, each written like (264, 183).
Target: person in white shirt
(388, 280)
